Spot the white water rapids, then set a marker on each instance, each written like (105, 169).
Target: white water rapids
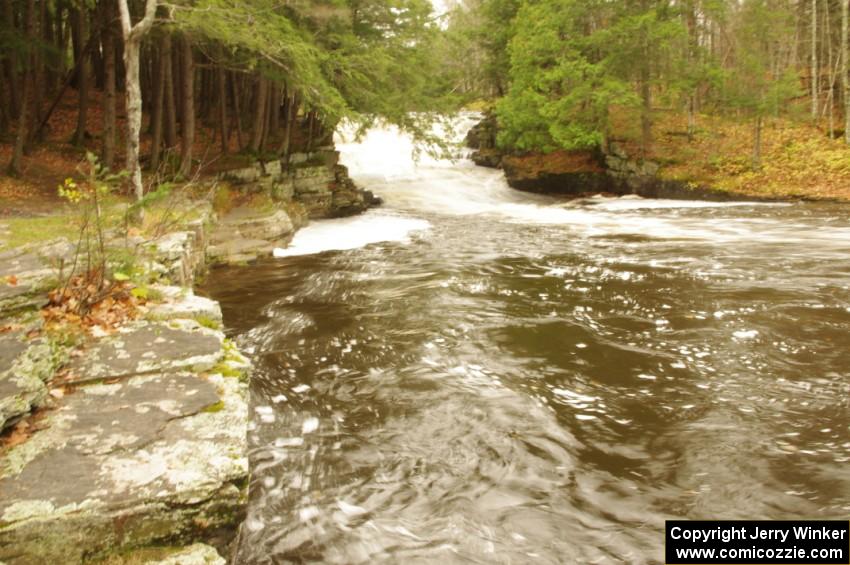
(383, 161)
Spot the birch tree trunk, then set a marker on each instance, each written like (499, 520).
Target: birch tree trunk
(132, 42)
(645, 90)
(845, 81)
(830, 100)
(814, 60)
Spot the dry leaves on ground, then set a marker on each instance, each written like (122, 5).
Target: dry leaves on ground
(88, 302)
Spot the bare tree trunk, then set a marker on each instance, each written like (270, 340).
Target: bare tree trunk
(38, 76)
(237, 114)
(52, 70)
(12, 61)
(268, 128)
(291, 115)
(274, 112)
(177, 78)
(830, 98)
(96, 56)
(79, 38)
(108, 45)
(132, 42)
(134, 114)
(4, 111)
(8, 116)
(311, 120)
(53, 35)
(63, 17)
(222, 108)
(845, 80)
(260, 114)
(23, 117)
(188, 107)
(815, 60)
(170, 104)
(645, 90)
(158, 107)
(693, 53)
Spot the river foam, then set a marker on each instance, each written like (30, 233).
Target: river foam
(420, 189)
(352, 233)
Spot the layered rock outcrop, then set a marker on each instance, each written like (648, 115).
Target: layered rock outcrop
(580, 173)
(136, 437)
(304, 187)
(139, 434)
(314, 180)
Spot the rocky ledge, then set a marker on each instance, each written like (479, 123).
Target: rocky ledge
(306, 186)
(132, 443)
(581, 173)
(128, 439)
(141, 440)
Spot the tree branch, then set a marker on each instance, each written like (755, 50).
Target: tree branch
(134, 32)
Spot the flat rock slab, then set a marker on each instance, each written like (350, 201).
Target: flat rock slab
(30, 273)
(196, 554)
(147, 459)
(148, 347)
(240, 250)
(249, 223)
(11, 346)
(25, 366)
(21, 264)
(18, 297)
(34, 263)
(9, 291)
(181, 302)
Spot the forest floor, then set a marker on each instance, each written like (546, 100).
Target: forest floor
(55, 158)
(799, 161)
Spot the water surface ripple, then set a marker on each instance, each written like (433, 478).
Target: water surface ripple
(500, 378)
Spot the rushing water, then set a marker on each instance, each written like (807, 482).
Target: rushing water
(475, 375)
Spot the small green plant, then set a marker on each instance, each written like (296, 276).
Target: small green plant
(87, 281)
(217, 407)
(233, 364)
(208, 322)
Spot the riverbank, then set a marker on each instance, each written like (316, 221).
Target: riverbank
(118, 436)
(124, 434)
(799, 162)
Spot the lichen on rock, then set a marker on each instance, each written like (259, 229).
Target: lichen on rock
(195, 554)
(125, 465)
(25, 367)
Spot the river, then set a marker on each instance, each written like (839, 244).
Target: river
(471, 374)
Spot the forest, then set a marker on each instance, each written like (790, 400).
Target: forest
(559, 67)
(559, 74)
(170, 87)
(753, 83)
